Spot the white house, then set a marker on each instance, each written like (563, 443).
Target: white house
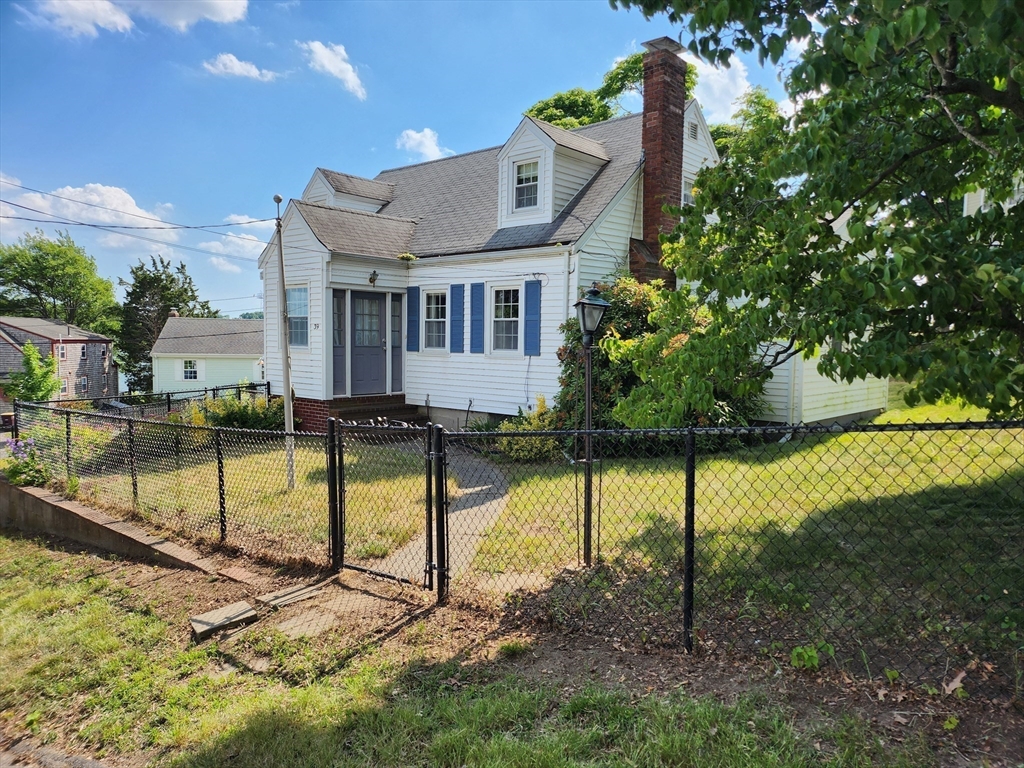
(443, 284)
(206, 352)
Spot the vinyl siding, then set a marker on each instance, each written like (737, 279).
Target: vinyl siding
(526, 146)
(606, 251)
(571, 173)
(780, 393)
(498, 383)
(318, 191)
(219, 372)
(824, 400)
(304, 259)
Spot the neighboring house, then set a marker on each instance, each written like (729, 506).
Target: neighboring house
(85, 364)
(444, 284)
(207, 352)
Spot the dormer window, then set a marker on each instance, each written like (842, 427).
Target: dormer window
(526, 185)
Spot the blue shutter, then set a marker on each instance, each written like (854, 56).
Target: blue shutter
(476, 318)
(457, 340)
(531, 326)
(412, 320)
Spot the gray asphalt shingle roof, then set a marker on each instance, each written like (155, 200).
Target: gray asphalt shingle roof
(450, 205)
(357, 232)
(570, 140)
(357, 185)
(51, 329)
(210, 336)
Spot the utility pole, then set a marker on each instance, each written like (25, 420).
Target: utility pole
(286, 360)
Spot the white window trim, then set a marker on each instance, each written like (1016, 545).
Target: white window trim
(424, 292)
(491, 289)
(185, 370)
(62, 352)
(309, 325)
(64, 385)
(516, 185)
(687, 192)
(83, 382)
(532, 212)
(85, 351)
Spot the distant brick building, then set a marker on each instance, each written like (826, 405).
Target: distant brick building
(85, 364)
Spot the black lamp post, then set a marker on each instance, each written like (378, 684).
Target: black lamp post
(589, 311)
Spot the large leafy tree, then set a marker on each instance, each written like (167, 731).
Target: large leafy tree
(55, 279)
(849, 237)
(152, 292)
(578, 107)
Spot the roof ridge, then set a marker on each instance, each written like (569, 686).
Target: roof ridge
(601, 122)
(369, 214)
(439, 160)
(352, 175)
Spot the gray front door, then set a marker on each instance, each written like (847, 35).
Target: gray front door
(338, 336)
(369, 344)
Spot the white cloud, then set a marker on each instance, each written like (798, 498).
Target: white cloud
(249, 222)
(718, 88)
(5, 179)
(224, 265)
(98, 204)
(424, 142)
(228, 65)
(87, 17)
(332, 59)
(236, 244)
(82, 18)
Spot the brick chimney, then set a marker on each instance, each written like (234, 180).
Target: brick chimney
(664, 106)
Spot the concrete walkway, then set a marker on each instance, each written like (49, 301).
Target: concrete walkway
(479, 502)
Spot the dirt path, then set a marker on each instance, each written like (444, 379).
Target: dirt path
(479, 502)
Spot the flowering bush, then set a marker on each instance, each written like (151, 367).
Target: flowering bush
(24, 467)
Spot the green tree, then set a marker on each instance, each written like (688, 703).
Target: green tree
(251, 315)
(55, 279)
(850, 239)
(152, 292)
(37, 380)
(578, 107)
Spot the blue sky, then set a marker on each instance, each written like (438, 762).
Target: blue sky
(198, 111)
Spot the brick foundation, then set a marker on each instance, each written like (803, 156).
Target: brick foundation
(313, 413)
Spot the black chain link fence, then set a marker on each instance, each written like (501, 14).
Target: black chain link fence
(874, 547)
(258, 493)
(877, 547)
(150, 405)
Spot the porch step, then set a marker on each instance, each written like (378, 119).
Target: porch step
(371, 408)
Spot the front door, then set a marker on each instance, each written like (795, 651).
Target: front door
(369, 344)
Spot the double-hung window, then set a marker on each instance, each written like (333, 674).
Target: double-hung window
(85, 351)
(190, 370)
(63, 386)
(62, 352)
(83, 384)
(434, 321)
(687, 192)
(298, 316)
(506, 319)
(527, 175)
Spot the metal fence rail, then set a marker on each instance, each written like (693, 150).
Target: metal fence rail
(147, 405)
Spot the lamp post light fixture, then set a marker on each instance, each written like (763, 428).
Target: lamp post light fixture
(590, 311)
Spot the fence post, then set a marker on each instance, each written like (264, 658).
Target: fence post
(440, 518)
(268, 391)
(340, 524)
(14, 426)
(168, 402)
(691, 472)
(428, 568)
(332, 492)
(132, 467)
(67, 444)
(220, 483)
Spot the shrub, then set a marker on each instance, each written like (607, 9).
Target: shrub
(246, 412)
(24, 466)
(529, 449)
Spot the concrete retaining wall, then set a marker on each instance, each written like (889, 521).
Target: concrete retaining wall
(36, 510)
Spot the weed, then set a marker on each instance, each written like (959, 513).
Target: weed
(513, 649)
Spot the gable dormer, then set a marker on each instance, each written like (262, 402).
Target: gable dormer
(541, 168)
(342, 190)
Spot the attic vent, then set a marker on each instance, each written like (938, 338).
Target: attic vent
(693, 131)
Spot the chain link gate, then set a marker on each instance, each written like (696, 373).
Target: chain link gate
(388, 502)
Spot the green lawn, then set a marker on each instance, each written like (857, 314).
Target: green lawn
(91, 664)
(178, 487)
